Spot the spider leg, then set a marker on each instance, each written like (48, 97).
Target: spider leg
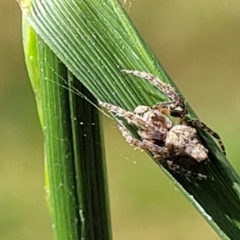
(159, 135)
(161, 86)
(171, 166)
(168, 108)
(129, 116)
(198, 123)
(144, 145)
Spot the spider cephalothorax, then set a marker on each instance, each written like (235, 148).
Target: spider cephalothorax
(175, 146)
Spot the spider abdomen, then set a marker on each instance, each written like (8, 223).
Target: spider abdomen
(182, 141)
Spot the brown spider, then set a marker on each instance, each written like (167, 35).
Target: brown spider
(175, 146)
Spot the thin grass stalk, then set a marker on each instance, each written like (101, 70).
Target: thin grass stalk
(74, 160)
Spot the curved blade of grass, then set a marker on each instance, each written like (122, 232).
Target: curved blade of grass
(75, 171)
(95, 40)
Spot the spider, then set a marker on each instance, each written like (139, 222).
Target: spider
(175, 146)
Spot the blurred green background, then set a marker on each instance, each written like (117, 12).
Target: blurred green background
(198, 42)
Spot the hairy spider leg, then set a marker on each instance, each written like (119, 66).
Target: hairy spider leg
(129, 116)
(165, 88)
(167, 108)
(144, 145)
(198, 123)
(171, 166)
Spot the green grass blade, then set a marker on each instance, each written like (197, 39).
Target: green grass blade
(95, 40)
(75, 168)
